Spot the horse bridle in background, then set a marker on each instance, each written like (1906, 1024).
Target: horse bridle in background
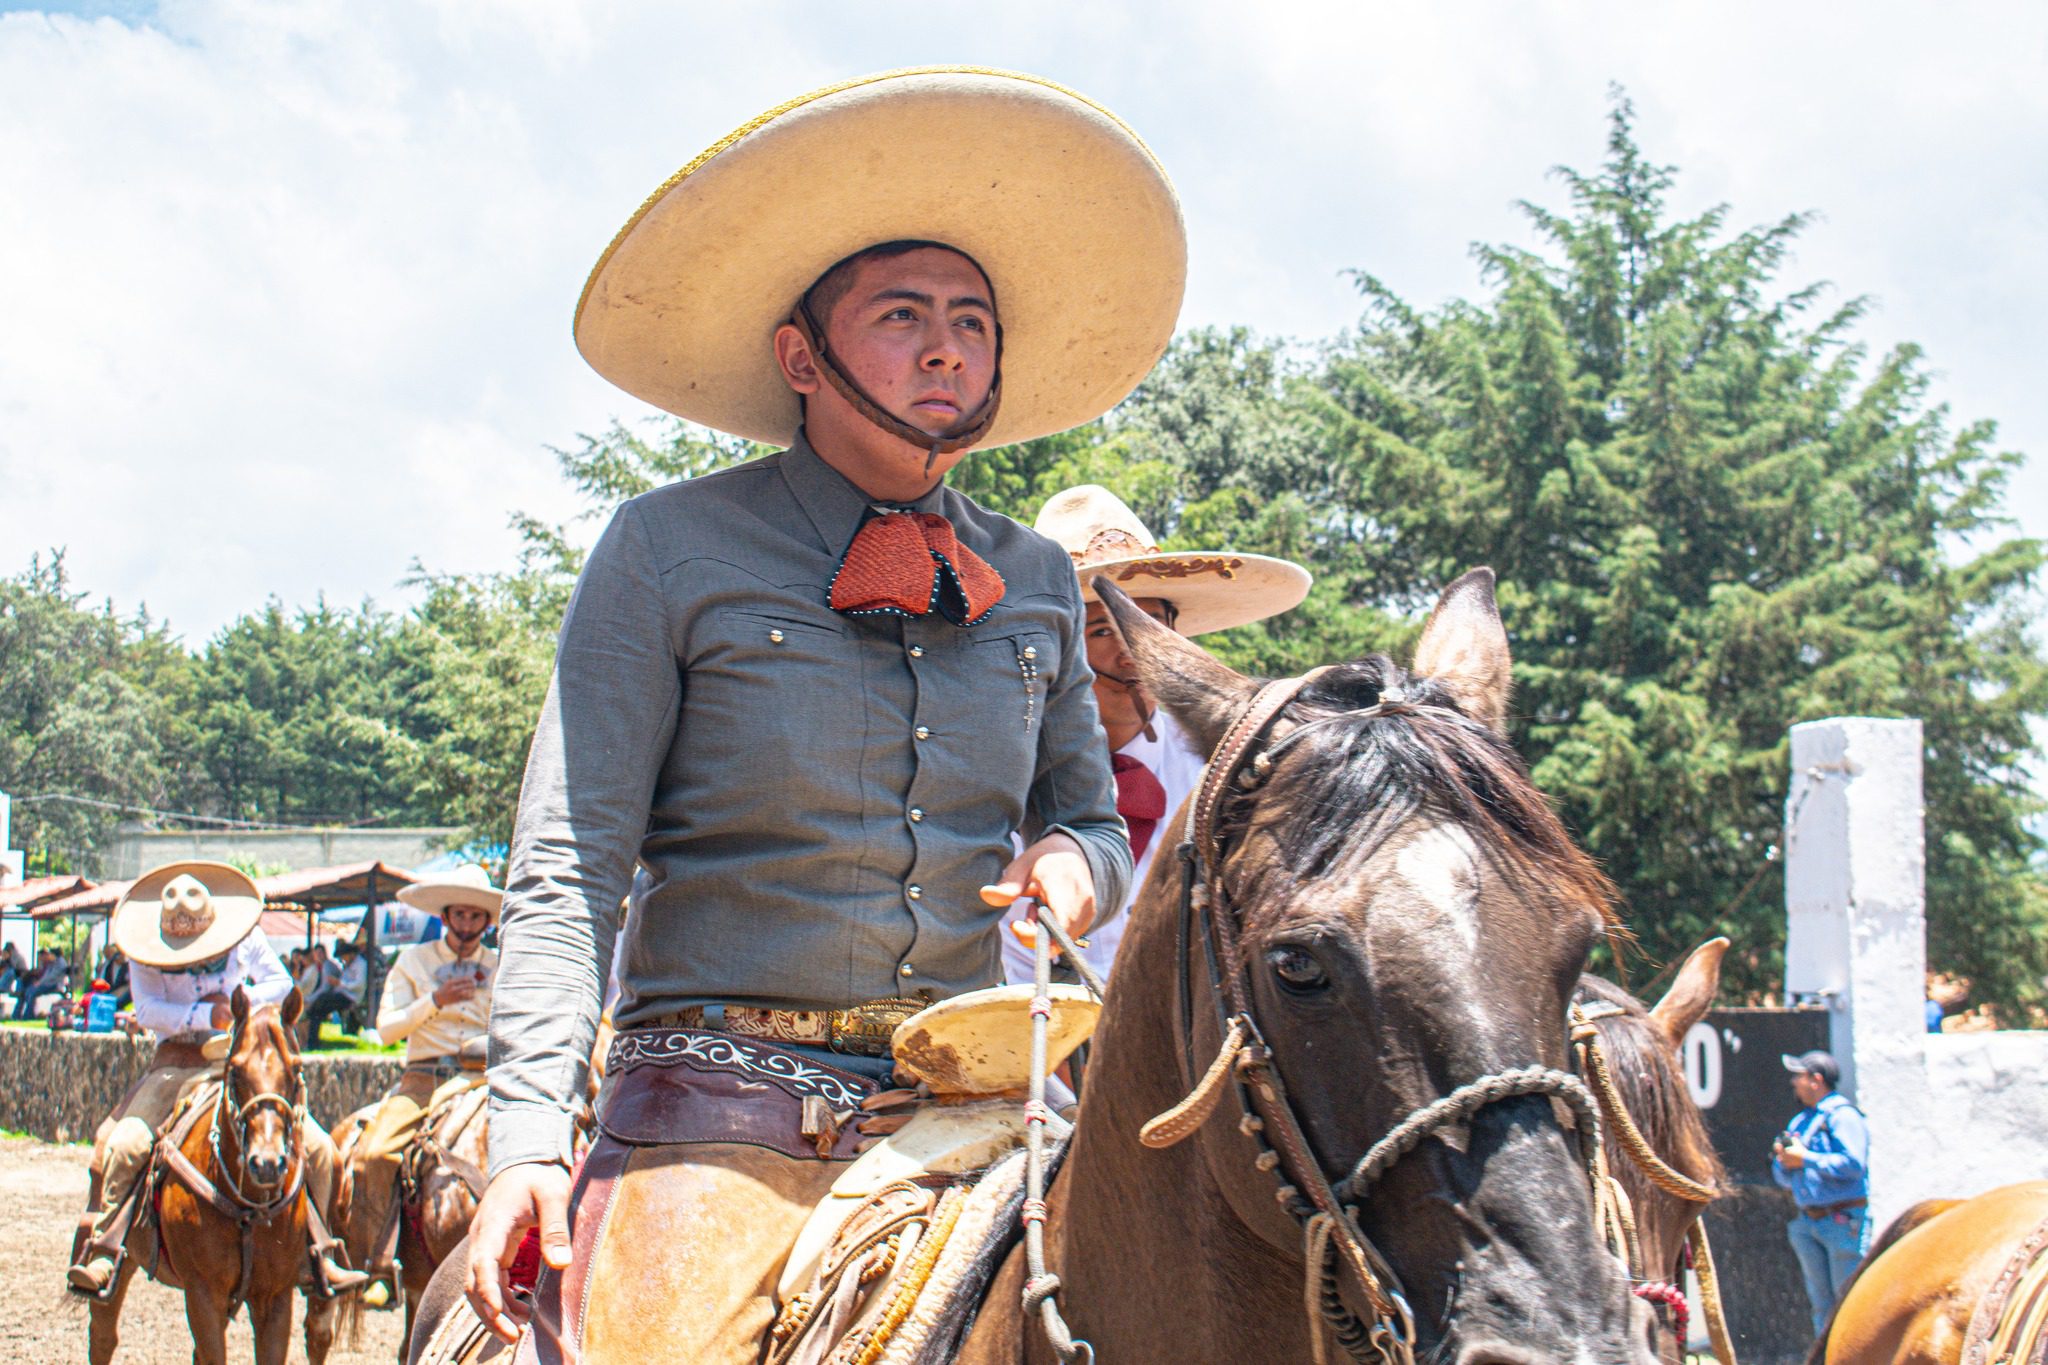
(1611, 1203)
(1333, 1242)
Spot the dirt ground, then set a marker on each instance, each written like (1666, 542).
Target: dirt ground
(42, 1187)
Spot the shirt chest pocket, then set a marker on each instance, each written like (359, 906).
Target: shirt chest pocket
(767, 688)
(999, 697)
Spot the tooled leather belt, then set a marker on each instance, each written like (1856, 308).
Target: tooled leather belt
(1830, 1210)
(862, 1030)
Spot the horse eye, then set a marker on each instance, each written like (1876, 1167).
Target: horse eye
(1297, 969)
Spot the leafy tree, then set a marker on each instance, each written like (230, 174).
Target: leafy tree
(1713, 515)
(79, 738)
(306, 717)
(486, 642)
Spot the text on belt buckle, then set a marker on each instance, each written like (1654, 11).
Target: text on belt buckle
(864, 1030)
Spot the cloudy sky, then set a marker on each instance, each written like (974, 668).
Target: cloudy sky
(285, 284)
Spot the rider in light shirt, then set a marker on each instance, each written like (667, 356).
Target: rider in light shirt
(437, 998)
(1155, 766)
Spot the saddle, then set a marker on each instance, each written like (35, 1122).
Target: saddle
(2010, 1323)
(892, 1265)
(457, 1103)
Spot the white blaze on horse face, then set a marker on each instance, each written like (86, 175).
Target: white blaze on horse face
(1440, 864)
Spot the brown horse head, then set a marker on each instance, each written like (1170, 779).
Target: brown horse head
(1641, 1048)
(1412, 918)
(263, 1089)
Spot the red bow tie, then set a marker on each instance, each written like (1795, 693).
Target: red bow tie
(911, 563)
(1140, 800)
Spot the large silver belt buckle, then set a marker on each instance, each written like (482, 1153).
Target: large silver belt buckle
(864, 1030)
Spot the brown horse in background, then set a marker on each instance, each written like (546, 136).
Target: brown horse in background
(1912, 1300)
(231, 1202)
(439, 1187)
(1410, 922)
(1665, 1194)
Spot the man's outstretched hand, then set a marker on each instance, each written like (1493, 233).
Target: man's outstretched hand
(518, 1197)
(1053, 872)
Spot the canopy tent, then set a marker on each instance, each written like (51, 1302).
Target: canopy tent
(18, 904)
(302, 895)
(308, 891)
(39, 890)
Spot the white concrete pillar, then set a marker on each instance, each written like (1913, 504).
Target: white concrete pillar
(1856, 936)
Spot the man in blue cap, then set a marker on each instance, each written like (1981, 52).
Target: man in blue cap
(1823, 1157)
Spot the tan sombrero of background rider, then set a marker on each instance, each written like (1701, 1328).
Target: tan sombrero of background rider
(466, 885)
(185, 913)
(1210, 590)
(1064, 209)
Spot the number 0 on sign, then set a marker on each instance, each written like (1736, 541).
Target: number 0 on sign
(1701, 1056)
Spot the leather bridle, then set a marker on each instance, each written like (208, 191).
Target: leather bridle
(234, 1202)
(1335, 1246)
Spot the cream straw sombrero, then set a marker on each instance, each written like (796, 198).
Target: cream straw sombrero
(465, 885)
(185, 913)
(1211, 590)
(1066, 210)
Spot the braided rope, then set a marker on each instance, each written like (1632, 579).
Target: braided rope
(1660, 1173)
(1718, 1335)
(1040, 1285)
(1461, 1104)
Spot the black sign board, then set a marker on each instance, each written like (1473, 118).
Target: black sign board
(1732, 1063)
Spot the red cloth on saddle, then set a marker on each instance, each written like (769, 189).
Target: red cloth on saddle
(912, 563)
(1140, 800)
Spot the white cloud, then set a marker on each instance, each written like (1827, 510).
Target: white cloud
(284, 286)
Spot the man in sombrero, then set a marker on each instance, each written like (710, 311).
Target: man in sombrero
(1193, 592)
(190, 934)
(437, 1000)
(810, 698)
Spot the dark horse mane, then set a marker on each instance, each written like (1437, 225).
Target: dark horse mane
(1377, 749)
(1662, 1109)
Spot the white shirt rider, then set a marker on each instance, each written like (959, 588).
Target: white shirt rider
(174, 1004)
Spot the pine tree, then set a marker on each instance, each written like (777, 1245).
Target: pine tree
(1713, 515)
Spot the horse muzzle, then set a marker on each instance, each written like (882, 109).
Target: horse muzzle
(267, 1169)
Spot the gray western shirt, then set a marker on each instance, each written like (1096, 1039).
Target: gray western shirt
(813, 800)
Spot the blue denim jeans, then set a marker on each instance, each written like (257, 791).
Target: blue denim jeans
(1828, 1250)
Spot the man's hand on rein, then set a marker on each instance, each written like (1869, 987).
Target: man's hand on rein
(1053, 872)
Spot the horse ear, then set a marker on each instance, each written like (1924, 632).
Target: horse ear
(1465, 648)
(1196, 689)
(1692, 993)
(239, 1004)
(288, 1013)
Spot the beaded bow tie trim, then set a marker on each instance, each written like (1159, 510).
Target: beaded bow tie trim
(912, 564)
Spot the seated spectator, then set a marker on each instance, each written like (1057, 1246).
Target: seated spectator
(14, 973)
(341, 992)
(115, 972)
(48, 980)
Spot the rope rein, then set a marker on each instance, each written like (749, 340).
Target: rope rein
(1041, 1287)
(1676, 1183)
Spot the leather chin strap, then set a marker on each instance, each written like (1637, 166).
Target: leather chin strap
(969, 431)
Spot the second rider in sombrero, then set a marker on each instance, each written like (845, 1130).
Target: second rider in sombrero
(810, 697)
